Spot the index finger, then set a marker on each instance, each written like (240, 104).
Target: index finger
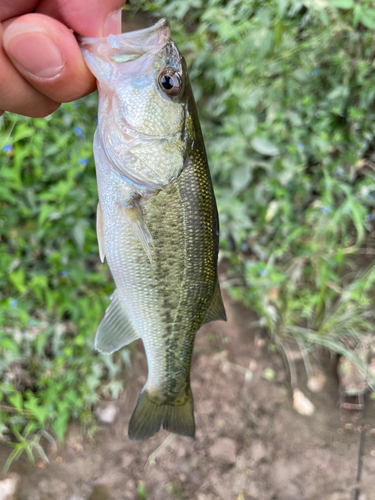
(91, 18)
(13, 8)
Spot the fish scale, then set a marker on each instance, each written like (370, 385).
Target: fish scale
(157, 218)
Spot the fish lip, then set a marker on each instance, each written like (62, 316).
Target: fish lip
(130, 35)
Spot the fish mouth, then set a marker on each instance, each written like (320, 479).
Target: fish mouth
(129, 46)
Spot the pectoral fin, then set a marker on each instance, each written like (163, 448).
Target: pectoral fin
(100, 231)
(115, 330)
(134, 217)
(216, 310)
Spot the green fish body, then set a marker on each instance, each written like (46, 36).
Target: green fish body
(157, 219)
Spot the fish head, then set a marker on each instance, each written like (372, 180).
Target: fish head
(143, 112)
(144, 76)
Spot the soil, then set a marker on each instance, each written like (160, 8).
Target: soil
(250, 443)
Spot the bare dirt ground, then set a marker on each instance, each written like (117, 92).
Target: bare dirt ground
(250, 444)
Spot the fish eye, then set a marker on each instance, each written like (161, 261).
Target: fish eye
(170, 82)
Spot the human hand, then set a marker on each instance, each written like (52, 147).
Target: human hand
(41, 64)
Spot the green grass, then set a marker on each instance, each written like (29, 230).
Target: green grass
(54, 290)
(287, 105)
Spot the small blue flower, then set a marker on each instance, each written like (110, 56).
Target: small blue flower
(75, 104)
(369, 217)
(14, 303)
(64, 273)
(245, 246)
(316, 71)
(230, 245)
(249, 284)
(83, 161)
(79, 132)
(288, 185)
(23, 332)
(300, 146)
(7, 148)
(95, 120)
(325, 210)
(262, 272)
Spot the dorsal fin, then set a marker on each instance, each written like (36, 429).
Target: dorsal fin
(115, 330)
(216, 310)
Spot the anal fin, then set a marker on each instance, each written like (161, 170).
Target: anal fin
(115, 330)
(100, 231)
(216, 309)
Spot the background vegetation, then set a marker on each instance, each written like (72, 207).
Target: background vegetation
(286, 96)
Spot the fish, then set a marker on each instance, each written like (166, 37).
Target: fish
(157, 219)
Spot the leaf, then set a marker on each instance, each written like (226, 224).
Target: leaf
(16, 400)
(9, 345)
(278, 31)
(342, 4)
(282, 4)
(79, 233)
(264, 146)
(357, 213)
(45, 212)
(339, 92)
(241, 178)
(367, 18)
(60, 424)
(40, 413)
(18, 280)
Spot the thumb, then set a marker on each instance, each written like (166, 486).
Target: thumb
(47, 55)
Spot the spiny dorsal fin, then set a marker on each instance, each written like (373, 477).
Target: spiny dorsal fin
(134, 218)
(115, 330)
(216, 310)
(100, 231)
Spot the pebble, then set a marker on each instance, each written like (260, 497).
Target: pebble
(317, 382)
(9, 486)
(258, 451)
(126, 459)
(108, 414)
(223, 451)
(301, 404)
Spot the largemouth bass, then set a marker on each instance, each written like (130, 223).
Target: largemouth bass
(157, 221)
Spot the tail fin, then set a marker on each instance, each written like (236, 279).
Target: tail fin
(149, 414)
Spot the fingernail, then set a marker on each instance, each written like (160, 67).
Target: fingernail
(33, 50)
(112, 25)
